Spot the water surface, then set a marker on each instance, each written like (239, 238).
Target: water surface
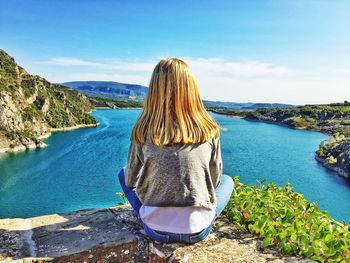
(79, 168)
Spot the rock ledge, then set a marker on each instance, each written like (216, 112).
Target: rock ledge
(115, 235)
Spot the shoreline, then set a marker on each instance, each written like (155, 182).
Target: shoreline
(118, 108)
(273, 122)
(287, 126)
(70, 128)
(40, 144)
(337, 170)
(227, 115)
(23, 148)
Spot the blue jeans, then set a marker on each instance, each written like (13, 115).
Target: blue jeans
(223, 193)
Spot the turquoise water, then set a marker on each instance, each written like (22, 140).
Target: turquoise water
(79, 168)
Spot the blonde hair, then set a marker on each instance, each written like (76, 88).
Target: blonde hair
(173, 111)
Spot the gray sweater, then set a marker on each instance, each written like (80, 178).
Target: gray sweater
(176, 175)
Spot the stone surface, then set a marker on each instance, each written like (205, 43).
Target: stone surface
(115, 235)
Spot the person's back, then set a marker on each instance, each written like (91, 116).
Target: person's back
(174, 170)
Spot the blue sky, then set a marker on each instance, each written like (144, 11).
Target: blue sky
(260, 51)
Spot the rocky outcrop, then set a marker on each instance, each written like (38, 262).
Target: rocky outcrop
(334, 168)
(115, 235)
(30, 107)
(335, 155)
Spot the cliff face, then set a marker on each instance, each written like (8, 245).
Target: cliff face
(30, 107)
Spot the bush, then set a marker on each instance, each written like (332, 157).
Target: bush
(28, 85)
(286, 220)
(303, 122)
(30, 113)
(124, 201)
(331, 160)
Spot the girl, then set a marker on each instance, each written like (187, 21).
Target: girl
(173, 178)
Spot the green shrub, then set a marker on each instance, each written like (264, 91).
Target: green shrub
(320, 152)
(124, 201)
(28, 85)
(303, 122)
(286, 220)
(30, 113)
(331, 160)
(120, 103)
(12, 145)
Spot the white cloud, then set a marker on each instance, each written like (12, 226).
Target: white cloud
(219, 67)
(224, 80)
(68, 62)
(114, 65)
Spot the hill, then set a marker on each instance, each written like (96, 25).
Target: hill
(109, 89)
(31, 107)
(244, 105)
(124, 91)
(267, 106)
(330, 119)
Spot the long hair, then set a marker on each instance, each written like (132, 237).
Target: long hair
(173, 111)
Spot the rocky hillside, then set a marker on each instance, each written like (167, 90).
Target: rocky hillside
(30, 107)
(99, 102)
(335, 154)
(330, 118)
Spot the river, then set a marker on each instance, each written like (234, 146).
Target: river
(79, 168)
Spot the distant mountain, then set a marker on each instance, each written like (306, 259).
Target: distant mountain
(117, 90)
(229, 105)
(244, 105)
(31, 107)
(109, 89)
(267, 106)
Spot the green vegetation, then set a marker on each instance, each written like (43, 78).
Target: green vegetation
(329, 118)
(38, 104)
(28, 84)
(115, 103)
(12, 145)
(12, 135)
(62, 98)
(31, 112)
(286, 220)
(124, 201)
(331, 160)
(303, 122)
(7, 66)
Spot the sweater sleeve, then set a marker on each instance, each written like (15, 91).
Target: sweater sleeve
(133, 167)
(215, 164)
